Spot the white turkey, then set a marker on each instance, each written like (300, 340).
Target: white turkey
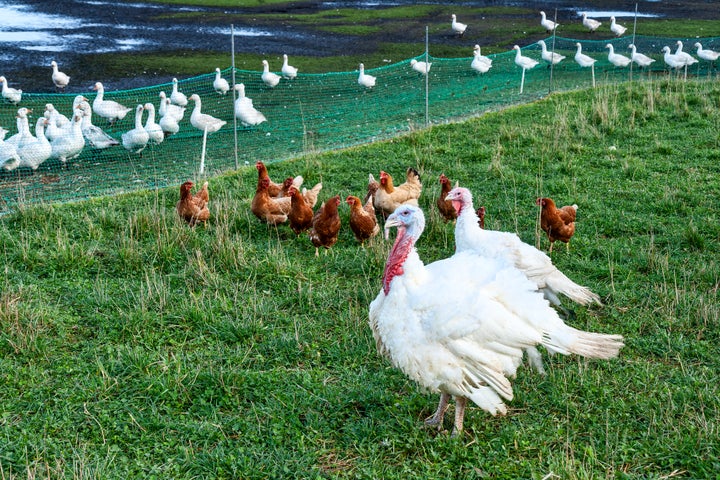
(535, 264)
(459, 326)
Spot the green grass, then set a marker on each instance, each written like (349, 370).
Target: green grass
(135, 347)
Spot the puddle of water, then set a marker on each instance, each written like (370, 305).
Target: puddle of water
(616, 14)
(21, 17)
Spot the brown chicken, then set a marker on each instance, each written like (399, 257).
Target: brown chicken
(301, 214)
(276, 189)
(326, 225)
(557, 223)
(373, 186)
(481, 216)
(311, 195)
(445, 206)
(193, 208)
(269, 209)
(362, 219)
(388, 197)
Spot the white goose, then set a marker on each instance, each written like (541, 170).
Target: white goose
(59, 78)
(12, 95)
(616, 28)
(365, 80)
(480, 56)
(420, 67)
(582, 59)
(155, 131)
(203, 121)
(245, 112)
(94, 135)
(689, 59)
(136, 140)
(672, 60)
(547, 24)
(457, 27)
(23, 136)
(288, 71)
(177, 97)
(110, 110)
(34, 154)
(526, 63)
(550, 57)
(639, 58)
(57, 122)
(708, 55)
(168, 122)
(167, 108)
(478, 64)
(590, 23)
(9, 158)
(615, 58)
(269, 78)
(220, 85)
(70, 145)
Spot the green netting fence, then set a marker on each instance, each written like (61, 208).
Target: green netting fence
(312, 113)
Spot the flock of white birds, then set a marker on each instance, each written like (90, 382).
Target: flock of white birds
(59, 137)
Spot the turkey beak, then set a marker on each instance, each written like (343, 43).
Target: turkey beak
(391, 221)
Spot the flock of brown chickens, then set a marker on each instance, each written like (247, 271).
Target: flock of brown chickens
(276, 203)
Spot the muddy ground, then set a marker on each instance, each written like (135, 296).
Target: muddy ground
(149, 30)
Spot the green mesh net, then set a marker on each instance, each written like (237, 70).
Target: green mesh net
(312, 113)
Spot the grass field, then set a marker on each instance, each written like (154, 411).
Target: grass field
(134, 347)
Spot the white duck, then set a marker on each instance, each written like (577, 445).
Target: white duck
(547, 24)
(420, 67)
(550, 57)
(457, 27)
(245, 112)
(23, 135)
(689, 59)
(12, 95)
(364, 79)
(203, 121)
(269, 78)
(34, 154)
(177, 97)
(59, 78)
(220, 85)
(110, 110)
(582, 59)
(615, 58)
(70, 145)
(288, 71)
(9, 158)
(590, 23)
(709, 55)
(154, 130)
(616, 28)
(639, 58)
(526, 63)
(94, 135)
(136, 140)
(167, 108)
(459, 326)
